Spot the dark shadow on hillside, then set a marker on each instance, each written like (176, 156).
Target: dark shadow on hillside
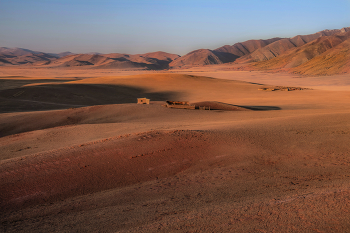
(214, 105)
(261, 108)
(260, 84)
(63, 96)
(16, 83)
(122, 63)
(225, 57)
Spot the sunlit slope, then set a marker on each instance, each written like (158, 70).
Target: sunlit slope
(314, 58)
(334, 61)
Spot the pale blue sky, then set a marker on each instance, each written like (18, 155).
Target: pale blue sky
(175, 26)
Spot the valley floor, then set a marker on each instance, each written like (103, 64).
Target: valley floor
(79, 155)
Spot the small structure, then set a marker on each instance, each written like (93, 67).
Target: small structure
(179, 104)
(267, 89)
(282, 88)
(142, 101)
(204, 107)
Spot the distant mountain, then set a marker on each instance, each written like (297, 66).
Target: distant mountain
(163, 56)
(94, 53)
(197, 57)
(3, 61)
(325, 52)
(62, 54)
(224, 54)
(248, 51)
(155, 61)
(20, 56)
(334, 61)
(304, 54)
(16, 51)
(279, 47)
(247, 47)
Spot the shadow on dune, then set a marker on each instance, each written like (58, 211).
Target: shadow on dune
(214, 105)
(17, 83)
(260, 84)
(63, 96)
(261, 108)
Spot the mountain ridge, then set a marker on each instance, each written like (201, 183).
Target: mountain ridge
(314, 54)
(265, 54)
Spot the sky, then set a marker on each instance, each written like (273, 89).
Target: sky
(174, 26)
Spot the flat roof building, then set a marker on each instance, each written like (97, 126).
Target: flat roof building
(143, 101)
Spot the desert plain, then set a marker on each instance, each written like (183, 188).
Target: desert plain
(79, 155)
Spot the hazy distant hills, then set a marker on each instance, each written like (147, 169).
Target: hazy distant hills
(62, 54)
(153, 61)
(324, 52)
(20, 56)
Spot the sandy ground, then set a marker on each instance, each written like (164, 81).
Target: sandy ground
(79, 155)
(223, 71)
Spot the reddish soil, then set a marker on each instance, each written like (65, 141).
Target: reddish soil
(123, 167)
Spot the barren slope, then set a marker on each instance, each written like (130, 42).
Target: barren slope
(162, 56)
(247, 47)
(277, 48)
(305, 53)
(333, 61)
(197, 57)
